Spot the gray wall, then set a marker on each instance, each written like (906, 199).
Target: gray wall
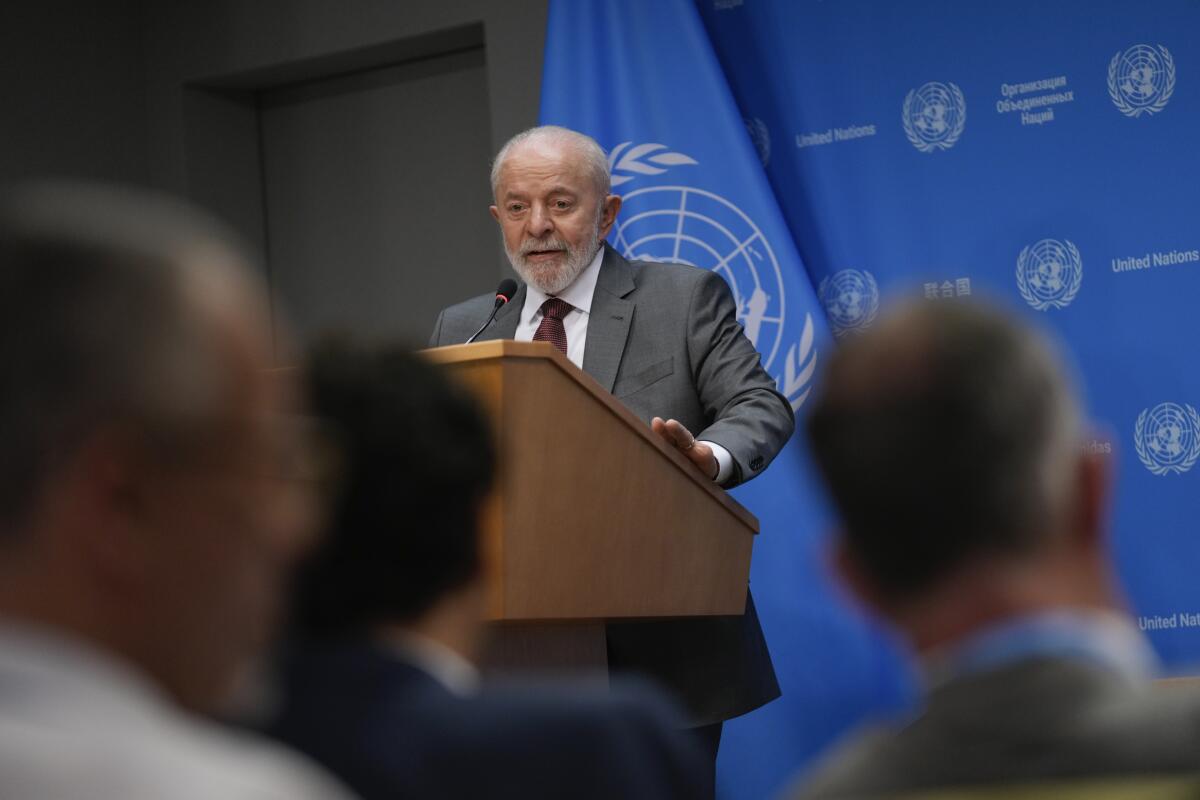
(333, 108)
(72, 90)
(376, 202)
(226, 101)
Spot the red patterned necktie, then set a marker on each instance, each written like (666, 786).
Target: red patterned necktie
(551, 328)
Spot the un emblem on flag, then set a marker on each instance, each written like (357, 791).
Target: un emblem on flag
(934, 116)
(1049, 274)
(850, 298)
(1141, 79)
(685, 225)
(1167, 438)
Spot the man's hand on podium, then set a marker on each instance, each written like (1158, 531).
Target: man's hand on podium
(679, 437)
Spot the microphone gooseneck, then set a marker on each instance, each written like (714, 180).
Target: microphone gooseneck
(504, 293)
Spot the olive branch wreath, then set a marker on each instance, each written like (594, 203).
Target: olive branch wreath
(1127, 108)
(1057, 302)
(1139, 444)
(951, 138)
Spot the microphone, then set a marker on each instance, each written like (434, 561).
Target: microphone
(504, 293)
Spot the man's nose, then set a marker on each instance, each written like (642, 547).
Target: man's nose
(540, 223)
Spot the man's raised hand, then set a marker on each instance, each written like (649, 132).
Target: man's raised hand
(679, 437)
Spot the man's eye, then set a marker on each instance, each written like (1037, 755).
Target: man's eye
(562, 205)
(515, 208)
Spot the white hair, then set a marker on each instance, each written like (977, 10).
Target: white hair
(589, 150)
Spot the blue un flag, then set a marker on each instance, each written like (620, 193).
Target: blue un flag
(643, 80)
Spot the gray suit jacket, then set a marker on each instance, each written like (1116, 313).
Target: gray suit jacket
(1038, 719)
(665, 340)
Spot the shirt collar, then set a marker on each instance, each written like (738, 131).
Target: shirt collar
(1102, 637)
(455, 673)
(578, 294)
(57, 664)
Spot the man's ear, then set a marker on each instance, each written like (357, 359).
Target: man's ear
(1093, 476)
(495, 212)
(105, 509)
(851, 575)
(612, 207)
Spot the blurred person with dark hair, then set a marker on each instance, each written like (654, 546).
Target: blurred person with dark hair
(144, 526)
(381, 685)
(973, 521)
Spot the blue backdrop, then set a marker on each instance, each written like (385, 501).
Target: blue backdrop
(826, 157)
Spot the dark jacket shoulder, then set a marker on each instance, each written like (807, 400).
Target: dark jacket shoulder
(391, 731)
(453, 320)
(1041, 719)
(672, 276)
(470, 308)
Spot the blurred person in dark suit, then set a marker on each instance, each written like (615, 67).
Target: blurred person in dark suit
(144, 525)
(973, 521)
(381, 685)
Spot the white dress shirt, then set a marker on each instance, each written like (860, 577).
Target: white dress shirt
(579, 294)
(78, 724)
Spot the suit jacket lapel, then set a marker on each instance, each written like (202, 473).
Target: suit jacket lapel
(507, 319)
(608, 323)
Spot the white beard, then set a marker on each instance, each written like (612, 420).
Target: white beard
(553, 278)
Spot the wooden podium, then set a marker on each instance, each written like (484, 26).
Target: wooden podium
(595, 517)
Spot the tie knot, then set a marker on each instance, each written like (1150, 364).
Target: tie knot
(556, 309)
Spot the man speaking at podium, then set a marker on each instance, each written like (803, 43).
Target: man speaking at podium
(665, 340)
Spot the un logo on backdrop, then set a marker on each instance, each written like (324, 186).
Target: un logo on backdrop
(934, 116)
(1049, 274)
(687, 225)
(850, 298)
(1141, 79)
(1167, 438)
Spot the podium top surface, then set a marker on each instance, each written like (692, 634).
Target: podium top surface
(508, 349)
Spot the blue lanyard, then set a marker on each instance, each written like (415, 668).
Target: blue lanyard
(1105, 639)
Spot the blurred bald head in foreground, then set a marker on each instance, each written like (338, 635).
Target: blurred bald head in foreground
(147, 517)
(973, 521)
(951, 440)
